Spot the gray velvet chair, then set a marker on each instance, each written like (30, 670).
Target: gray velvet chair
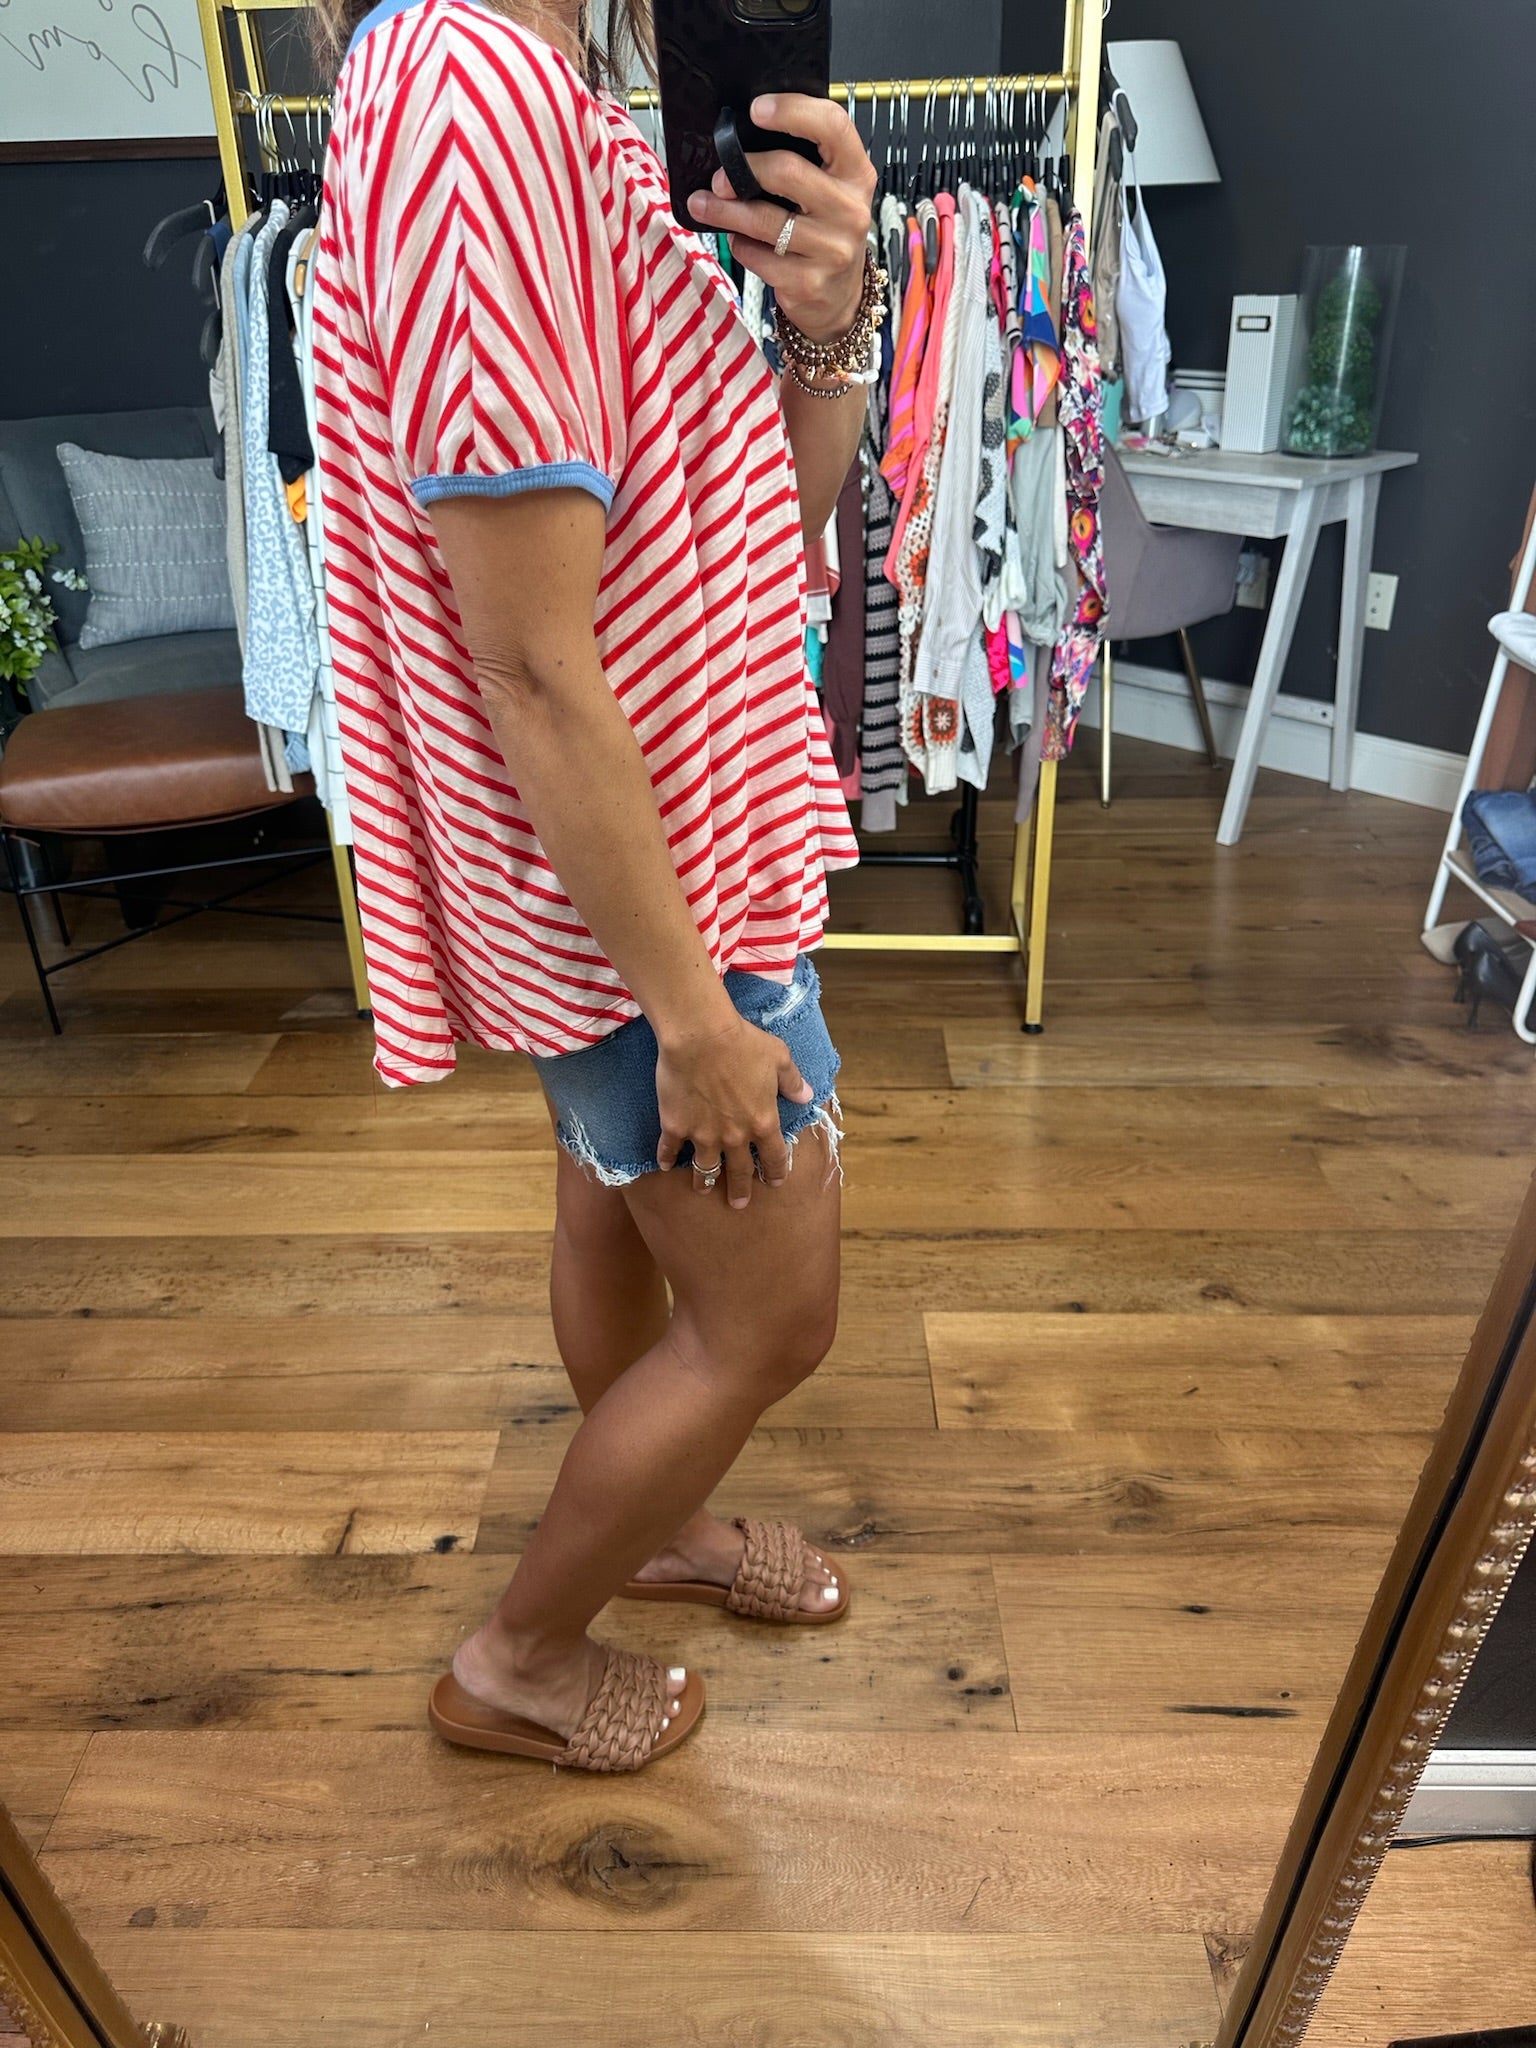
(34, 499)
(1161, 579)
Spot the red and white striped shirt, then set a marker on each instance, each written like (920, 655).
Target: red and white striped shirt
(503, 302)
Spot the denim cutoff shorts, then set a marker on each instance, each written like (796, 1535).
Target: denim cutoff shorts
(605, 1095)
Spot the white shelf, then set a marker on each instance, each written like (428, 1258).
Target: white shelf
(1511, 908)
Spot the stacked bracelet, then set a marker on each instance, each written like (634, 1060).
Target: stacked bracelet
(846, 361)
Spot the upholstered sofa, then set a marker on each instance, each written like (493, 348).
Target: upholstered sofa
(34, 499)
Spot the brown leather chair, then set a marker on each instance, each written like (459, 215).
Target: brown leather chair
(136, 765)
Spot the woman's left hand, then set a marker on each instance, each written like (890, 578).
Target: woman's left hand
(819, 279)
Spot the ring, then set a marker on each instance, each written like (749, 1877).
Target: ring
(786, 235)
(708, 1174)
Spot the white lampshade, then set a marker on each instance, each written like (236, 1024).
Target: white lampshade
(1172, 147)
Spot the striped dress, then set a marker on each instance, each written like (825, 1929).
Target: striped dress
(504, 303)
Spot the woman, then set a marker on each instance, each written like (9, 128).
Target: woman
(594, 801)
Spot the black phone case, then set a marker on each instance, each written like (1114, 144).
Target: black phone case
(712, 62)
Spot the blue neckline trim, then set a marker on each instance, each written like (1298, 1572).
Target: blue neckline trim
(376, 17)
(540, 476)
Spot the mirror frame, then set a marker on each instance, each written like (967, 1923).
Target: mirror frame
(1470, 1522)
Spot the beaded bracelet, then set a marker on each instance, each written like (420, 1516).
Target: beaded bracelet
(846, 359)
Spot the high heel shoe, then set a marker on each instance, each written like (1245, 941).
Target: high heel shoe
(1487, 974)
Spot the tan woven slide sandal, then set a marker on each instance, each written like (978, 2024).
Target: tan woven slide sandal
(767, 1583)
(620, 1731)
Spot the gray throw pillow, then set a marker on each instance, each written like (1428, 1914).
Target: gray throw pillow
(154, 544)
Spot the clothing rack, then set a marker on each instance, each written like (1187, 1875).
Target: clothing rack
(231, 24)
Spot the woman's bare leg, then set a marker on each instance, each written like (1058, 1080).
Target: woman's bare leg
(754, 1296)
(608, 1299)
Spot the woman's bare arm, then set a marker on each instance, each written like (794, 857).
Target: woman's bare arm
(525, 572)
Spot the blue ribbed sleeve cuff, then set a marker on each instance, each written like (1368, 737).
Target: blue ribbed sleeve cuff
(541, 476)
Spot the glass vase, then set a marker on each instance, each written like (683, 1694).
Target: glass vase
(1349, 304)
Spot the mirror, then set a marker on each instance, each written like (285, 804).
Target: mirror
(1146, 1329)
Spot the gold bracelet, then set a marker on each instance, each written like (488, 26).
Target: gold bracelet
(840, 389)
(849, 353)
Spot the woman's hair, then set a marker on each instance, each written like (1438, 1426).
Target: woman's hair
(607, 61)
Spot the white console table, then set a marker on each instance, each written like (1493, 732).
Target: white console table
(1267, 497)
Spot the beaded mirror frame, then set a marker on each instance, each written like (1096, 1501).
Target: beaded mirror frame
(1471, 1520)
(1470, 1523)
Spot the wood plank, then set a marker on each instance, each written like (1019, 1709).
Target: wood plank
(327, 1495)
(894, 1181)
(1445, 1944)
(383, 1372)
(281, 1643)
(1229, 1628)
(36, 1767)
(341, 1063)
(1436, 1272)
(1160, 1051)
(250, 1195)
(111, 1013)
(431, 1119)
(745, 1829)
(156, 1064)
(772, 1990)
(1085, 1372)
(1420, 1185)
(1017, 1491)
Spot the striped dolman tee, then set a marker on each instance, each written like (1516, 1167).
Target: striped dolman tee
(503, 302)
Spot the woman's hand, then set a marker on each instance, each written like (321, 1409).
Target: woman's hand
(720, 1093)
(820, 278)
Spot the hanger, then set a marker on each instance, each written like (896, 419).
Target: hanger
(930, 225)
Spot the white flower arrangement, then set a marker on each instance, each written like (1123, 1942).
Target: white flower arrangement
(27, 616)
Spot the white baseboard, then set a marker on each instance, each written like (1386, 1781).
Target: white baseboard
(1474, 1792)
(1155, 704)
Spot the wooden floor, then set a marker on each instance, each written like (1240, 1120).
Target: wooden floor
(1147, 1321)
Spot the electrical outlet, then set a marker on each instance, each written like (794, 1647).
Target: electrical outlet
(1380, 597)
(1253, 579)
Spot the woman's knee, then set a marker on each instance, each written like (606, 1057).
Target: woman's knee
(761, 1356)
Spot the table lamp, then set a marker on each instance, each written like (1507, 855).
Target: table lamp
(1172, 147)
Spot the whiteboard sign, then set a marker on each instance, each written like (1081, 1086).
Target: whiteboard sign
(100, 70)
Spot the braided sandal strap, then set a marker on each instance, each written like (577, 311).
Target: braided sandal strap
(767, 1583)
(623, 1717)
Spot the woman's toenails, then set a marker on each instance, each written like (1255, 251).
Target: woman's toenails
(829, 1592)
(678, 1673)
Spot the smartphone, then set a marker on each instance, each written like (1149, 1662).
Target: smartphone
(713, 59)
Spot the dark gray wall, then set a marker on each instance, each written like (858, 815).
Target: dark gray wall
(1497, 1707)
(914, 38)
(87, 327)
(1389, 121)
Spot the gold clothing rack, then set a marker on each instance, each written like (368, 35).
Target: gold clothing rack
(1029, 892)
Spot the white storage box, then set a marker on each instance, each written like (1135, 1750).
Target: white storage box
(1265, 349)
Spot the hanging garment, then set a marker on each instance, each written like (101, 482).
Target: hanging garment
(1108, 239)
(323, 736)
(288, 436)
(911, 347)
(842, 675)
(992, 477)
(951, 662)
(281, 651)
(883, 766)
(1083, 445)
(1033, 584)
(232, 377)
(1142, 306)
(1041, 350)
(930, 726)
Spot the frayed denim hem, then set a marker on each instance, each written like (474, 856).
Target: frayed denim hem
(825, 1116)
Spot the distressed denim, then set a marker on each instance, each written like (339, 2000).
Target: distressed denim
(605, 1095)
(1501, 835)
